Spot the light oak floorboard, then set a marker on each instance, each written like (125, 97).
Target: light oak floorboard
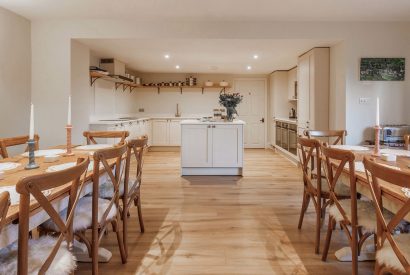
(223, 225)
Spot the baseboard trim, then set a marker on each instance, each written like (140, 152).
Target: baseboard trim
(164, 149)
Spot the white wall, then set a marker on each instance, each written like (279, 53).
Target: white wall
(15, 78)
(51, 59)
(82, 97)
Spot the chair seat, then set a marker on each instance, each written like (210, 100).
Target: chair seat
(107, 188)
(38, 251)
(340, 188)
(83, 214)
(366, 213)
(387, 256)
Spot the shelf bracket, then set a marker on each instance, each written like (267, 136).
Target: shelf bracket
(131, 89)
(180, 88)
(117, 84)
(158, 89)
(202, 90)
(93, 79)
(124, 87)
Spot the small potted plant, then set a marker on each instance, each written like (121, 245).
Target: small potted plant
(230, 101)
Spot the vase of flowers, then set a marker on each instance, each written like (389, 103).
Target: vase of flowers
(230, 101)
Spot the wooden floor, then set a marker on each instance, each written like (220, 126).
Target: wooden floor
(223, 225)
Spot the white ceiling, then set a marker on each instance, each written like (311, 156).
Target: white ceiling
(203, 55)
(232, 10)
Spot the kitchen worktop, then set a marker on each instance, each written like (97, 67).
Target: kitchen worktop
(196, 121)
(288, 120)
(117, 121)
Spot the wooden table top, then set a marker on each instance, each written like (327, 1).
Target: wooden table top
(11, 177)
(391, 192)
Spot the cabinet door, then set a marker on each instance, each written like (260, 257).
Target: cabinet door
(304, 91)
(196, 146)
(227, 145)
(175, 132)
(160, 133)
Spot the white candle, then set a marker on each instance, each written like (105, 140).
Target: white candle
(69, 111)
(31, 135)
(377, 112)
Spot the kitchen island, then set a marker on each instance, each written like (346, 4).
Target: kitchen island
(211, 148)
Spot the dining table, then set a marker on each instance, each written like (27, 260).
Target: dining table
(394, 196)
(13, 169)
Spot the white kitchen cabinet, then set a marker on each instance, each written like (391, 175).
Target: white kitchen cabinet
(160, 136)
(197, 146)
(313, 89)
(227, 142)
(166, 132)
(211, 148)
(174, 132)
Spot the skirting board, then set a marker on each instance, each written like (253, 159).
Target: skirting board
(286, 154)
(211, 171)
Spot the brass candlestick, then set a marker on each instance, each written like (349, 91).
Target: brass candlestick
(376, 151)
(31, 158)
(69, 152)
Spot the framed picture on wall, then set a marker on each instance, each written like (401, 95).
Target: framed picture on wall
(382, 69)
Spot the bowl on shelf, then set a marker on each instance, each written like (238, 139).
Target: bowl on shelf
(223, 83)
(209, 83)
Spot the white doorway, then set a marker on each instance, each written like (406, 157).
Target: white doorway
(252, 110)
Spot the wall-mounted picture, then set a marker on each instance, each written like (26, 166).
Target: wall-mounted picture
(382, 69)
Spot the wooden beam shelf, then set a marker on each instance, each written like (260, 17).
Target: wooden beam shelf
(131, 86)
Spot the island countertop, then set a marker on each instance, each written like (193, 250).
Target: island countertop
(197, 121)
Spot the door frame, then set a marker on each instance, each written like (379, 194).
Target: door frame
(265, 81)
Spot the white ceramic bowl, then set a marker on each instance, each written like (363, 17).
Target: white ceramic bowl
(209, 83)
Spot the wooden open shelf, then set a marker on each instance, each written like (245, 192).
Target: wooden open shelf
(126, 84)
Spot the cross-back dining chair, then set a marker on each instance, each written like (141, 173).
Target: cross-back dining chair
(407, 142)
(46, 254)
(132, 186)
(92, 135)
(103, 211)
(4, 207)
(14, 141)
(393, 251)
(315, 186)
(358, 215)
(338, 136)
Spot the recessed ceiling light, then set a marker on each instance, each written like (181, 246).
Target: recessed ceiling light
(249, 68)
(166, 56)
(255, 56)
(177, 67)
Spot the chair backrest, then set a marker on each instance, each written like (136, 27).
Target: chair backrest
(309, 157)
(376, 173)
(34, 185)
(407, 142)
(14, 141)
(92, 135)
(104, 156)
(135, 147)
(335, 162)
(4, 207)
(337, 135)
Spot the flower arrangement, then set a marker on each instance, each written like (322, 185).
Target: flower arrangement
(230, 101)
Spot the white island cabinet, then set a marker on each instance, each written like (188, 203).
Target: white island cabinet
(211, 148)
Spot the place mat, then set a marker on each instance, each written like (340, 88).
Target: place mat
(60, 167)
(15, 197)
(396, 152)
(42, 153)
(94, 147)
(4, 166)
(350, 147)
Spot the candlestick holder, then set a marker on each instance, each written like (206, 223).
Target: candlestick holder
(31, 158)
(69, 146)
(376, 151)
